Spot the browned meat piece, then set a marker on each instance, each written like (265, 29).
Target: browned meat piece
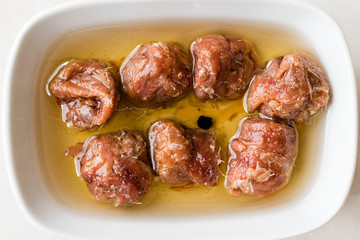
(261, 157)
(170, 152)
(223, 66)
(155, 74)
(87, 93)
(291, 88)
(115, 166)
(205, 159)
(181, 156)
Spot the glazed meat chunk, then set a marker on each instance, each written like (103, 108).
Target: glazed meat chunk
(223, 66)
(181, 156)
(155, 74)
(87, 93)
(170, 152)
(261, 157)
(115, 167)
(205, 157)
(291, 88)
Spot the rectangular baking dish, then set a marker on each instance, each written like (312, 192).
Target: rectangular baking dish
(309, 211)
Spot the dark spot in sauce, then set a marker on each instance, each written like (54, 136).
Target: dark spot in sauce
(233, 116)
(204, 122)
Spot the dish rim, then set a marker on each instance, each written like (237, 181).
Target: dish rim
(7, 134)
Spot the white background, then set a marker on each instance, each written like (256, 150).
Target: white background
(13, 225)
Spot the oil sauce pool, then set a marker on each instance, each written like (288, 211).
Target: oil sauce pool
(113, 44)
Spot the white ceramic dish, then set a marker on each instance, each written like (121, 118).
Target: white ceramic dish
(338, 152)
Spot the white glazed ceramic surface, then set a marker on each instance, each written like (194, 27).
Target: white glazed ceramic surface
(338, 152)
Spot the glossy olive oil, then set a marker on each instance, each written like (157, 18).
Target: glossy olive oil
(113, 44)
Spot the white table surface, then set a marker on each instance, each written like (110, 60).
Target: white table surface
(13, 225)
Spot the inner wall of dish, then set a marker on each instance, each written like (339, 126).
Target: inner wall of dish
(113, 44)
